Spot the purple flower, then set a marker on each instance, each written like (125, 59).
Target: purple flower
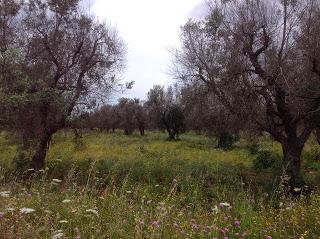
(237, 223)
(155, 224)
(269, 237)
(222, 231)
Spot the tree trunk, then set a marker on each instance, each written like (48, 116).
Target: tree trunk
(141, 129)
(172, 135)
(292, 157)
(318, 135)
(38, 160)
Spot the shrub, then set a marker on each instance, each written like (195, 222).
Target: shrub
(253, 148)
(226, 140)
(21, 162)
(265, 160)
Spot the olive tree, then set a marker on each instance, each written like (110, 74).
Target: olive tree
(262, 60)
(164, 110)
(54, 58)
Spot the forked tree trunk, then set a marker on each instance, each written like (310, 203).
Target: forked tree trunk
(38, 160)
(292, 157)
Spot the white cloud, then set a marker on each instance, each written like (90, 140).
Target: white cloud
(150, 28)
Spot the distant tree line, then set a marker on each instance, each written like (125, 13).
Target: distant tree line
(176, 109)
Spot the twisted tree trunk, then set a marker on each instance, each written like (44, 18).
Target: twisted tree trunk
(292, 150)
(38, 160)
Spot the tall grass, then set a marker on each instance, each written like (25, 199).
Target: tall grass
(115, 186)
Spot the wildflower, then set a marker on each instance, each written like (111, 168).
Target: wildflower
(224, 204)
(78, 233)
(222, 231)
(26, 210)
(269, 237)
(155, 224)
(66, 201)
(195, 226)
(93, 211)
(55, 180)
(129, 192)
(141, 222)
(297, 189)
(157, 185)
(5, 194)
(57, 234)
(237, 223)
(63, 221)
(215, 210)
(244, 235)
(208, 229)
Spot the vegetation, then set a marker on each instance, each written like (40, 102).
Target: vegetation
(117, 186)
(73, 166)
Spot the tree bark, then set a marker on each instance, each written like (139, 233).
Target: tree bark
(141, 129)
(292, 157)
(38, 160)
(318, 135)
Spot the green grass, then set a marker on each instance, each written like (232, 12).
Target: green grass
(148, 187)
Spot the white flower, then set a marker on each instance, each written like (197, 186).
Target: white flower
(26, 210)
(92, 211)
(215, 210)
(128, 192)
(63, 221)
(55, 180)
(5, 194)
(66, 201)
(297, 189)
(57, 234)
(10, 209)
(224, 204)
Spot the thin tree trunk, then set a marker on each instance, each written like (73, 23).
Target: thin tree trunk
(38, 160)
(141, 129)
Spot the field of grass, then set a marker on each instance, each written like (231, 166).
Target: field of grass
(115, 186)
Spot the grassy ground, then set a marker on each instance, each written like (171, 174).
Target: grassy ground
(115, 186)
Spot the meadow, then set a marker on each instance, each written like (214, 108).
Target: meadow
(116, 186)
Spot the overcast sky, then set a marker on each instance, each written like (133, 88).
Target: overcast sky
(149, 28)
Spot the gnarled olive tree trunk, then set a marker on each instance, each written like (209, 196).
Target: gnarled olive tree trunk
(38, 160)
(292, 150)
